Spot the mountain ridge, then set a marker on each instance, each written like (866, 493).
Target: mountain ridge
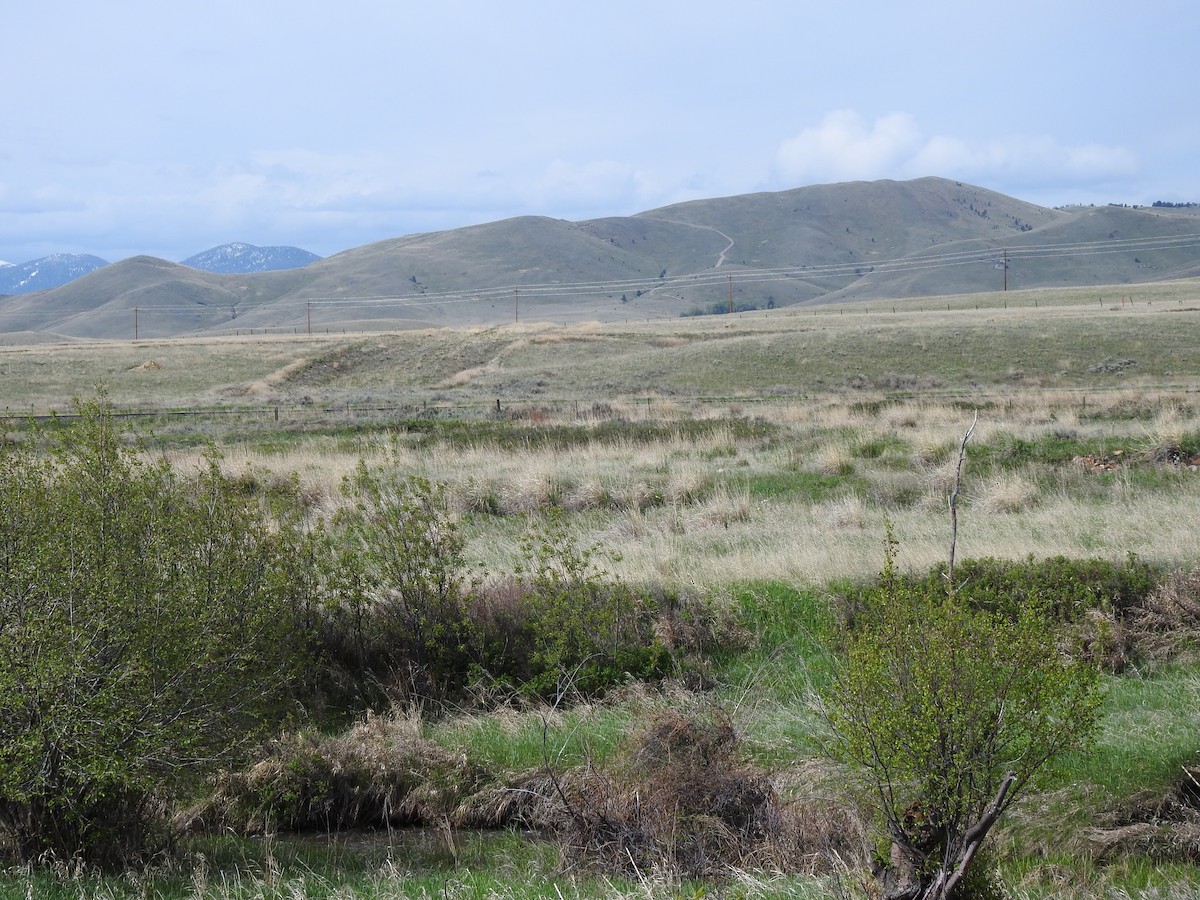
(237, 257)
(46, 273)
(821, 243)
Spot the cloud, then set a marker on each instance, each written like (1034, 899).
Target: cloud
(597, 186)
(847, 147)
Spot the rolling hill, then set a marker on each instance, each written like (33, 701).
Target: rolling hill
(816, 244)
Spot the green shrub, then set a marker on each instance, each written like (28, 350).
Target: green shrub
(1066, 589)
(397, 622)
(562, 628)
(947, 710)
(405, 621)
(149, 630)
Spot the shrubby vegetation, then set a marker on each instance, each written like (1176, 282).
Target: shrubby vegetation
(155, 625)
(391, 681)
(949, 709)
(149, 632)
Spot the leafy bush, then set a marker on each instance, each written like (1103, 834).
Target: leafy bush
(405, 621)
(398, 621)
(149, 630)
(1066, 589)
(948, 709)
(559, 626)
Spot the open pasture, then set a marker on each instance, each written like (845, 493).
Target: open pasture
(719, 448)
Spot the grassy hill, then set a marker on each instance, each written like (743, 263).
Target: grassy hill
(823, 243)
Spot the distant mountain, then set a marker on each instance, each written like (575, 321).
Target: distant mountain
(47, 272)
(815, 244)
(238, 259)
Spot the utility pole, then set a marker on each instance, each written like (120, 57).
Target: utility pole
(1006, 270)
(135, 323)
(516, 305)
(730, 294)
(310, 317)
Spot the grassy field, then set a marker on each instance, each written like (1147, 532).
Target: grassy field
(751, 460)
(1083, 340)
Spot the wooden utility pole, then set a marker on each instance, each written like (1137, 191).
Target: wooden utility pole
(730, 293)
(516, 305)
(309, 317)
(1006, 270)
(135, 323)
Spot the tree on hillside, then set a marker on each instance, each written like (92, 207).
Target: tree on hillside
(147, 634)
(948, 713)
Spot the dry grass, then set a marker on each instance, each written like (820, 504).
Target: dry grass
(680, 801)
(1007, 493)
(1168, 626)
(686, 512)
(381, 772)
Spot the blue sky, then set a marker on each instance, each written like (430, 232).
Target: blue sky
(168, 128)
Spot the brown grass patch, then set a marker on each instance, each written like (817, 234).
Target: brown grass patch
(1153, 826)
(1168, 625)
(681, 802)
(380, 773)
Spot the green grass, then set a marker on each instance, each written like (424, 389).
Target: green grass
(418, 863)
(809, 487)
(1151, 728)
(523, 741)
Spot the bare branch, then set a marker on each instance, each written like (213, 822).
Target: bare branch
(962, 455)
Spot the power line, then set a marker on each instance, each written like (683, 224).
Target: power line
(711, 277)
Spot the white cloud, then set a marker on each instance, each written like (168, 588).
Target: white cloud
(599, 185)
(845, 147)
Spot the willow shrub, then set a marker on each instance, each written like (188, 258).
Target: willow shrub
(948, 712)
(150, 629)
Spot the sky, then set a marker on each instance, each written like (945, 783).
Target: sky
(166, 129)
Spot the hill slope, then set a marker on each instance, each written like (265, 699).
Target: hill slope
(821, 243)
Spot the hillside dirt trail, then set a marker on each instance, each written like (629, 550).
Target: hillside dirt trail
(723, 254)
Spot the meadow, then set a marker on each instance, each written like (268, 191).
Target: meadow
(753, 463)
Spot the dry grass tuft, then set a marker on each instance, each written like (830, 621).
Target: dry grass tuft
(381, 772)
(682, 803)
(939, 481)
(685, 485)
(725, 506)
(1157, 827)
(849, 512)
(1168, 625)
(834, 459)
(1008, 492)
(930, 447)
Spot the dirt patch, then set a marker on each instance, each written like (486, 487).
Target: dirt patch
(148, 366)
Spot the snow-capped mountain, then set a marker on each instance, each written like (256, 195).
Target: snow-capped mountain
(238, 258)
(48, 272)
